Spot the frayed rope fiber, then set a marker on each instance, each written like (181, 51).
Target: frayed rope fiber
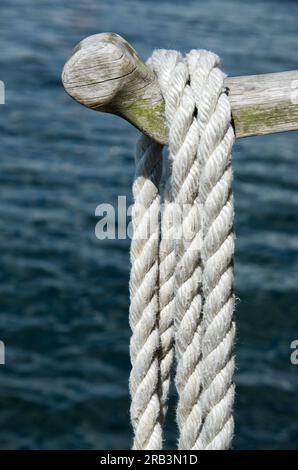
(181, 283)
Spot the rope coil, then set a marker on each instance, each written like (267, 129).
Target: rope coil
(181, 283)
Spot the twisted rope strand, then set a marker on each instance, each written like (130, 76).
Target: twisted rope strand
(183, 143)
(167, 259)
(145, 400)
(217, 213)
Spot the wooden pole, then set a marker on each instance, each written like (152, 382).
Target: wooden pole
(105, 73)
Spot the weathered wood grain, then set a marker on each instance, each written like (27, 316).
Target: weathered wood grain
(104, 73)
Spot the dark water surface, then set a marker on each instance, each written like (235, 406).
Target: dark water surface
(63, 293)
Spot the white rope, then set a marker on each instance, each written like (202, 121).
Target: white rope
(144, 378)
(183, 144)
(217, 213)
(187, 281)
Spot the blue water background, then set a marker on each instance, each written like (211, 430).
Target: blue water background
(63, 293)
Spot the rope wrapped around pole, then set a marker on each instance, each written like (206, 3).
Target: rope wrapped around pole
(182, 274)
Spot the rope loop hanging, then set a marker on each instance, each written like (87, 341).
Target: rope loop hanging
(181, 283)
